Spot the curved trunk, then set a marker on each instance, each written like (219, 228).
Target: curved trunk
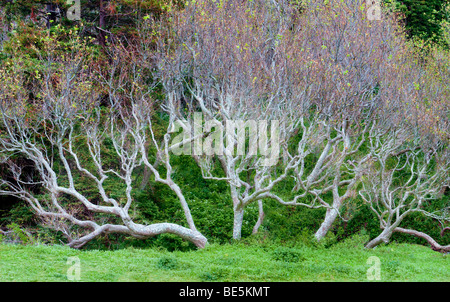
(187, 212)
(385, 236)
(444, 230)
(260, 217)
(327, 223)
(193, 236)
(105, 229)
(330, 216)
(142, 232)
(388, 230)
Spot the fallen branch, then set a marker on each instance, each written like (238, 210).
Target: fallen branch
(434, 245)
(443, 231)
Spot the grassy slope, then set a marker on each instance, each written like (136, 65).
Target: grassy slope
(346, 261)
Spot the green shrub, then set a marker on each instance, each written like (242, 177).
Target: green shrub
(286, 254)
(356, 241)
(172, 243)
(19, 235)
(19, 213)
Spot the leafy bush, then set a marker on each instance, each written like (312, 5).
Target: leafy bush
(18, 235)
(424, 19)
(356, 241)
(292, 223)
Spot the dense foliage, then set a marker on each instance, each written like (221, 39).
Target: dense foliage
(424, 19)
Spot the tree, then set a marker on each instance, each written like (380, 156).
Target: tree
(222, 60)
(404, 180)
(325, 75)
(62, 135)
(410, 167)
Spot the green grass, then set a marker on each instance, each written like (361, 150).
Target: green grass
(345, 261)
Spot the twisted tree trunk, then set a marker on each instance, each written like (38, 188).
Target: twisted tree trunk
(261, 216)
(142, 232)
(387, 234)
(384, 237)
(330, 218)
(433, 244)
(326, 225)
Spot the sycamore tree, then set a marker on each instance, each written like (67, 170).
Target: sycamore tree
(50, 143)
(322, 71)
